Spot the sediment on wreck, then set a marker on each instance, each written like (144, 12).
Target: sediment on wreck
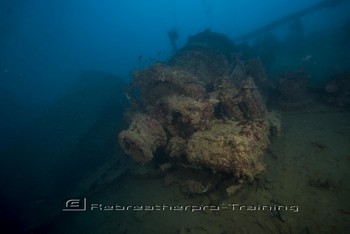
(205, 107)
(142, 138)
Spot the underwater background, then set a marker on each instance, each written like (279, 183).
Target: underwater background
(78, 77)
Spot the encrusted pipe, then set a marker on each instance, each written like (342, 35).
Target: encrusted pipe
(144, 136)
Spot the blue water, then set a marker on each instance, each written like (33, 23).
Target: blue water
(65, 65)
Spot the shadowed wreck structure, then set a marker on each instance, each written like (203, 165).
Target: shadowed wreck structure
(204, 108)
(211, 133)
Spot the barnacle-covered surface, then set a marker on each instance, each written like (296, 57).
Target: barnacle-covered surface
(209, 105)
(142, 138)
(161, 80)
(232, 147)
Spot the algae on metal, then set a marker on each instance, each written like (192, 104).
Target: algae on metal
(205, 108)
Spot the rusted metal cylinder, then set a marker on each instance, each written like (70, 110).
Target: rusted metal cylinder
(144, 136)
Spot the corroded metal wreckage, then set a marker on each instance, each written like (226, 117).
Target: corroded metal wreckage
(203, 108)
